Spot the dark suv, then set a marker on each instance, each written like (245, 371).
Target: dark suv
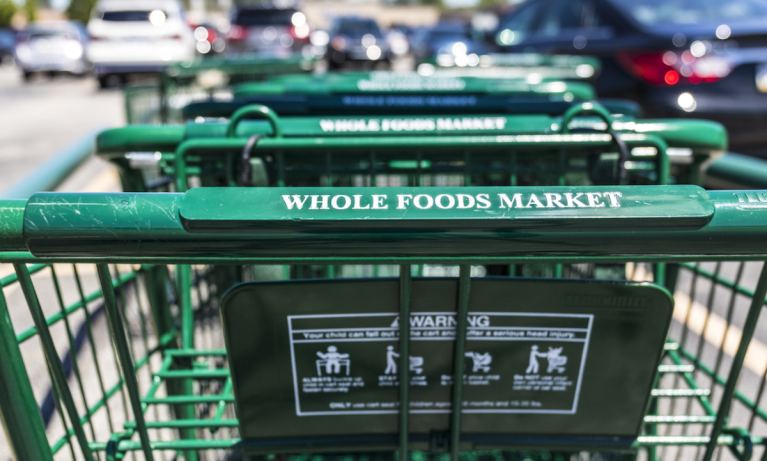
(359, 40)
(270, 29)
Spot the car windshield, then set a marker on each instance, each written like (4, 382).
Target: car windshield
(126, 16)
(264, 17)
(446, 35)
(359, 28)
(656, 12)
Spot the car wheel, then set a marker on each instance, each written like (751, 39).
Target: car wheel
(27, 76)
(110, 81)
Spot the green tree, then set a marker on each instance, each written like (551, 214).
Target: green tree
(30, 9)
(7, 10)
(80, 10)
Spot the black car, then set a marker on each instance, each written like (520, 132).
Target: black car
(447, 43)
(706, 58)
(267, 28)
(359, 40)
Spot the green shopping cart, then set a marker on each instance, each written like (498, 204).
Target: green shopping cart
(557, 365)
(184, 82)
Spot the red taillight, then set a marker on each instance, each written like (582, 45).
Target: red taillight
(300, 32)
(668, 68)
(212, 35)
(236, 33)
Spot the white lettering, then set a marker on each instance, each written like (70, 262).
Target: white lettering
(378, 203)
(316, 201)
(294, 201)
(506, 203)
(483, 199)
(347, 202)
(357, 204)
(534, 201)
(429, 201)
(403, 200)
(450, 201)
(327, 125)
(573, 201)
(594, 199)
(553, 199)
(465, 201)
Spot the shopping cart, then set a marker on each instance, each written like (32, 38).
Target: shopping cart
(531, 66)
(624, 386)
(393, 93)
(184, 82)
(488, 148)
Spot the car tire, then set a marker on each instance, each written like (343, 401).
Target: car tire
(111, 81)
(27, 76)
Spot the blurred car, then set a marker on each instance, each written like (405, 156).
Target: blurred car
(210, 41)
(448, 43)
(359, 40)
(137, 36)
(52, 47)
(706, 58)
(256, 28)
(7, 45)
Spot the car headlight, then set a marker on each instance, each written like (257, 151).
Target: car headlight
(73, 50)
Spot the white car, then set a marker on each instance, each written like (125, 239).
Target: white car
(137, 36)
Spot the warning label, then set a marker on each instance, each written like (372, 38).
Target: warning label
(514, 362)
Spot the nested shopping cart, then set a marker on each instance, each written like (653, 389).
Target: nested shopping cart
(532, 66)
(380, 93)
(576, 364)
(578, 147)
(184, 82)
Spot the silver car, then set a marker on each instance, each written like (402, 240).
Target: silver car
(52, 47)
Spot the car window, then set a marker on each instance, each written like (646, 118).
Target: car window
(263, 17)
(561, 15)
(654, 12)
(516, 27)
(126, 16)
(358, 28)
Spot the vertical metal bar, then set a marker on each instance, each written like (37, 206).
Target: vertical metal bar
(117, 330)
(92, 342)
(405, 286)
(52, 357)
(467, 169)
(464, 286)
(737, 362)
(280, 169)
(184, 277)
(18, 409)
(419, 168)
(72, 348)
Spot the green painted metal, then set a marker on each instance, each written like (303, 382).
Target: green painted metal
(139, 226)
(737, 363)
(117, 333)
(52, 359)
(55, 170)
(11, 222)
(735, 171)
(384, 83)
(406, 286)
(18, 409)
(523, 65)
(459, 351)
(343, 210)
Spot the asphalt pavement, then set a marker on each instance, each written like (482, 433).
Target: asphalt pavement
(42, 117)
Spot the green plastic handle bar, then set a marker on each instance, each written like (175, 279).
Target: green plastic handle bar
(586, 108)
(254, 111)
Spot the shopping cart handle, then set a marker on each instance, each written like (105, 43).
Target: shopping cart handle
(254, 111)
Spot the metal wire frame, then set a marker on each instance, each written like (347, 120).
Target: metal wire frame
(213, 384)
(82, 410)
